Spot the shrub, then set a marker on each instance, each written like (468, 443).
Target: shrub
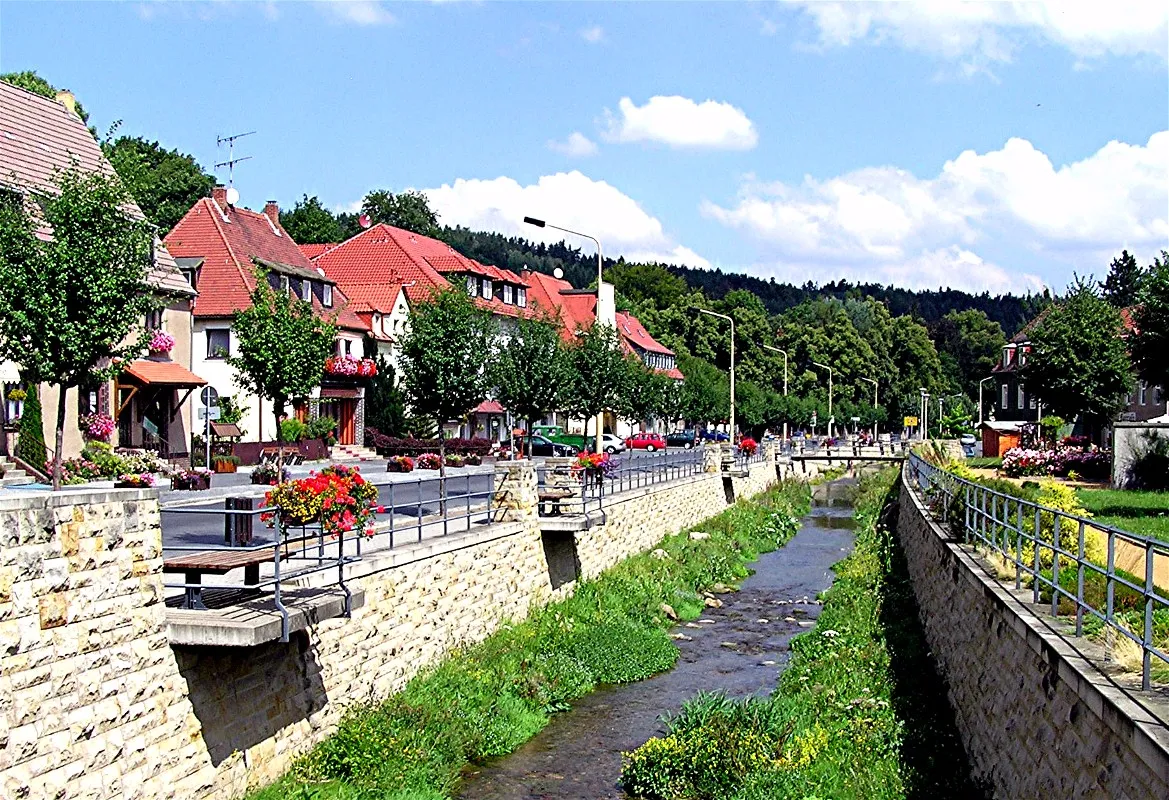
(30, 445)
(428, 461)
(454, 460)
(1149, 468)
(292, 430)
(321, 428)
(108, 462)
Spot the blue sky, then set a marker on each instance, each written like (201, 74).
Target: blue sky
(997, 146)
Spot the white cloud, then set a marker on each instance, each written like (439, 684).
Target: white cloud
(886, 221)
(682, 123)
(594, 34)
(568, 199)
(358, 12)
(577, 145)
(982, 33)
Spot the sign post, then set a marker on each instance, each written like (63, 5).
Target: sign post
(209, 411)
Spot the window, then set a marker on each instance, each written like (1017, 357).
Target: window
(1006, 397)
(344, 347)
(488, 289)
(306, 291)
(1006, 356)
(472, 286)
(1144, 393)
(1022, 397)
(1031, 402)
(283, 283)
(87, 401)
(218, 342)
(154, 320)
(508, 294)
(522, 297)
(327, 296)
(1023, 355)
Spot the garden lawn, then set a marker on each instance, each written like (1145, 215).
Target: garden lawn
(859, 713)
(485, 701)
(1142, 513)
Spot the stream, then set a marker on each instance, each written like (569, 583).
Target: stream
(739, 649)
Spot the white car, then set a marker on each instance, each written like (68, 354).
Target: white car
(612, 444)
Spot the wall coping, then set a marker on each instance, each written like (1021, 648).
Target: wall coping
(32, 499)
(1137, 717)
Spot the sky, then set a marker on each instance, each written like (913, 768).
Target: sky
(997, 146)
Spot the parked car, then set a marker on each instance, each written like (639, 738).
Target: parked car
(646, 441)
(686, 439)
(612, 443)
(715, 436)
(968, 441)
(542, 446)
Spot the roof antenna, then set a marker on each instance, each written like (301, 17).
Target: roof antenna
(232, 192)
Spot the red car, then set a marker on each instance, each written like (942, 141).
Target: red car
(646, 441)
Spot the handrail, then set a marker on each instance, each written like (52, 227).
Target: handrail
(1010, 526)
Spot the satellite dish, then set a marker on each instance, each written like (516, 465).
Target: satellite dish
(232, 195)
(558, 273)
(363, 220)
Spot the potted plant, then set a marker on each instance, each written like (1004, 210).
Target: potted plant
(592, 467)
(428, 461)
(454, 460)
(224, 463)
(748, 446)
(267, 474)
(132, 481)
(192, 480)
(337, 497)
(160, 344)
(472, 459)
(97, 426)
(399, 464)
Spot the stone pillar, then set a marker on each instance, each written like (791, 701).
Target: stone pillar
(516, 496)
(771, 451)
(726, 456)
(710, 457)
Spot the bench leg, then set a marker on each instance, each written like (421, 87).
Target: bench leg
(251, 574)
(194, 594)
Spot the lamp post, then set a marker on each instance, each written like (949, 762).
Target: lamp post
(923, 423)
(830, 417)
(984, 380)
(870, 380)
(539, 223)
(784, 352)
(732, 321)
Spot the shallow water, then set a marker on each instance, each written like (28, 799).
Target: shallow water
(739, 649)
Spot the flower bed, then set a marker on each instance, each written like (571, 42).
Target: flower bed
(131, 481)
(428, 461)
(337, 497)
(399, 464)
(1019, 462)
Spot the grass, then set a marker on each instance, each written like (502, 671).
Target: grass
(859, 713)
(1142, 513)
(984, 463)
(484, 701)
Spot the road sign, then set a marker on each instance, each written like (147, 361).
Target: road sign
(911, 422)
(210, 398)
(212, 413)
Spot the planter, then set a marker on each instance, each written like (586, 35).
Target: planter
(223, 466)
(195, 483)
(400, 464)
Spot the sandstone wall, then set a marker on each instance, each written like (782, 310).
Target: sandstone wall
(95, 703)
(1037, 718)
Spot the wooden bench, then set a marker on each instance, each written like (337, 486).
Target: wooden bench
(217, 562)
(553, 498)
(270, 455)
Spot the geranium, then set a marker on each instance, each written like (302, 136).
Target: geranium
(97, 426)
(161, 342)
(132, 481)
(337, 497)
(351, 365)
(400, 464)
(748, 446)
(428, 461)
(595, 464)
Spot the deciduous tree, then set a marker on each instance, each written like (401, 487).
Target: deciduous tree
(166, 183)
(533, 373)
(310, 222)
(409, 210)
(599, 373)
(1150, 341)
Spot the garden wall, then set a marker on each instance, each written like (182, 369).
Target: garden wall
(96, 703)
(1036, 717)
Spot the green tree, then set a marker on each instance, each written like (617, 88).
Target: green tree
(915, 365)
(599, 373)
(69, 305)
(1123, 284)
(533, 373)
(642, 284)
(969, 344)
(409, 210)
(166, 183)
(1079, 364)
(385, 406)
(30, 81)
(30, 445)
(447, 360)
(283, 346)
(1150, 340)
(706, 392)
(310, 222)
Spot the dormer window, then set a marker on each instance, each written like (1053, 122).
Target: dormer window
(327, 295)
(521, 297)
(508, 294)
(284, 283)
(1006, 356)
(306, 291)
(488, 289)
(472, 286)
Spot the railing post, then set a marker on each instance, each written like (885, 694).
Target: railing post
(1018, 559)
(1080, 583)
(1147, 639)
(1055, 526)
(1035, 540)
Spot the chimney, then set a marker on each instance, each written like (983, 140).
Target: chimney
(66, 98)
(272, 212)
(219, 195)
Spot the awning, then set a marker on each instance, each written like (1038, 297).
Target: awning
(9, 372)
(489, 407)
(339, 393)
(160, 373)
(226, 430)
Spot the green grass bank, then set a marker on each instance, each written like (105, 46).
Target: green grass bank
(1142, 513)
(859, 713)
(485, 701)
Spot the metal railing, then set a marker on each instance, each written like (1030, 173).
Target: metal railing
(1044, 545)
(566, 489)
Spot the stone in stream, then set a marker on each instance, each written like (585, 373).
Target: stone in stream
(762, 621)
(681, 637)
(669, 611)
(692, 625)
(712, 602)
(731, 645)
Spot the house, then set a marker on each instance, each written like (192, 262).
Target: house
(1012, 401)
(220, 246)
(151, 399)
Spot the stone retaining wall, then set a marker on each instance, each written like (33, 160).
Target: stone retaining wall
(95, 703)
(1037, 718)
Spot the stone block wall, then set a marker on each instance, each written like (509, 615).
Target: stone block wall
(1037, 718)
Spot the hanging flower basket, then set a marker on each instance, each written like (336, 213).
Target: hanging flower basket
(351, 366)
(161, 342)
(337, 497)
(97, 426)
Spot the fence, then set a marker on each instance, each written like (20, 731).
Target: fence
(564, 488)
(1048, 549)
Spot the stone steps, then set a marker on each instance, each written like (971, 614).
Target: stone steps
(13, 475)
(352, 452)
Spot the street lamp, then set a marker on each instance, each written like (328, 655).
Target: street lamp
(870, 380)
(984, 380)
(923, 423)
(732, 321)
(830, 417)
(777, 350)
(539, 223)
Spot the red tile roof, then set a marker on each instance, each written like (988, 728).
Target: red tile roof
(167, 373)
(577, 310)
(379, 297)
(229, 239)
(489, 407)
(632, 330)
(314, 250)
(39, 136)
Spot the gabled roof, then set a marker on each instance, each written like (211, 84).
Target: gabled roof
(379, 297)
(631, 329)
(314, 250)
(38, 137)
(232, 241)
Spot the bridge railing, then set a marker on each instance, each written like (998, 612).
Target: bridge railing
(1051, 552)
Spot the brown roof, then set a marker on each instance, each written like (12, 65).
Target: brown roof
(166, 373)
(38, 137)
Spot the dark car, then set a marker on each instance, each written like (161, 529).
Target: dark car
(685, 439)
(541, 446)
(715, 436)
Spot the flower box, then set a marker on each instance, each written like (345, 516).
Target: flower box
(428, 461)
(351, 366)
(337, 497)
(400, 464)
(143, 481)
(192, 480)
(224, 464)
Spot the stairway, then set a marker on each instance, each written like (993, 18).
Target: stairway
(13, 475)
(352, 452)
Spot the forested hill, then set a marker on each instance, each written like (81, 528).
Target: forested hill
(515, 253)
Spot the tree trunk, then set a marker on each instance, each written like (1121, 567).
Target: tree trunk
(59, 438)
(277, 412)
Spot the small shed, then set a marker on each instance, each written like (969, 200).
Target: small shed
(999, 437)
